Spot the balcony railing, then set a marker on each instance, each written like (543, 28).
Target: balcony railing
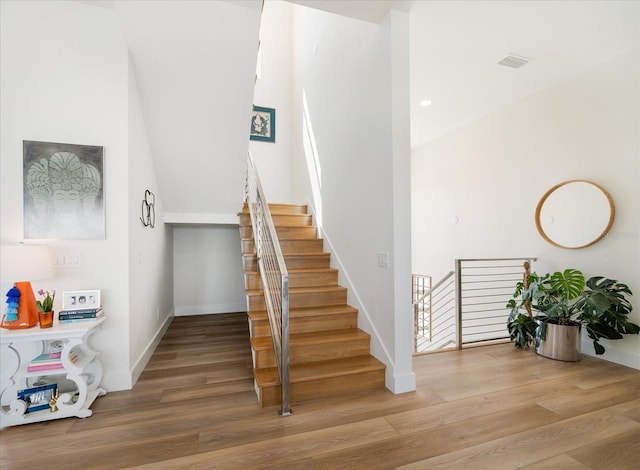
(467, 306)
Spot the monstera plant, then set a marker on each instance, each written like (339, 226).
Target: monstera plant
(600, 305)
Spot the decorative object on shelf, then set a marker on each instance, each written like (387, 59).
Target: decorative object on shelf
(53, 402)
(63, 191)
(148, 217)
(565, 299)
(46, 304)
(37, 398)
(81, 299)
(24, 263)
(45, 307)
(45, 319)
(13, 300)
(575, 214)
(263, 124)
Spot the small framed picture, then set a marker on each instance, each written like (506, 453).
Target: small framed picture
(263, 124)
(79, 299)
(37, 398)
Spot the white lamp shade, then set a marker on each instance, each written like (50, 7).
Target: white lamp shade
(25, 263)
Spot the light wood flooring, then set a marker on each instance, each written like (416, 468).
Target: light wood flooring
(491, 407)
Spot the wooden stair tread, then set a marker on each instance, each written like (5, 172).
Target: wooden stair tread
(265, 342)
(319, 254)
(319, 370)
(304, 270)
(303, 290)
(307, 312)
(280, 208)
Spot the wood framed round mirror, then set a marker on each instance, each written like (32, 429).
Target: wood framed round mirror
(575, 214)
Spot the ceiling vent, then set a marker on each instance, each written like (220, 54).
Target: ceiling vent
(514, 62)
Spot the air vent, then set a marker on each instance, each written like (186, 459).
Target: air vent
(513, 61)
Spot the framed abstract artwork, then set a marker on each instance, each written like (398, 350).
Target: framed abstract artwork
(63, 191)
(263, 124)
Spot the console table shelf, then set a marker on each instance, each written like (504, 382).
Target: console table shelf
(85, 374)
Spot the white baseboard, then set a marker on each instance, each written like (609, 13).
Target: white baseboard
(116, 382)
(143, 360)
(207, 309)
(126, 380)
(400, 384)
(611, 354)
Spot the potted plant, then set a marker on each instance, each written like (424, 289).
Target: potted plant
(565, 303)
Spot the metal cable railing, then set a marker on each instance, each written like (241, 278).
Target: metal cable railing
(434, 313)
(486, 285)
(467, 306)
(274, 276)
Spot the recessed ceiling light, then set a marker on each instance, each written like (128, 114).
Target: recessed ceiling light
(425, 103)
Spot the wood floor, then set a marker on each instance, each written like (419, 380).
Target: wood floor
(491, 407)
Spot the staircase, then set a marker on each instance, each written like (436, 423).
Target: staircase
(329, 355)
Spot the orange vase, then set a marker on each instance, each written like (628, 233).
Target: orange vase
(46, 319)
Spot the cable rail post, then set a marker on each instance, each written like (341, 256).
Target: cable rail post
(273, 274)
(459, 303)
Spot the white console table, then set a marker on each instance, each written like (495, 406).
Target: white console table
(81, 378)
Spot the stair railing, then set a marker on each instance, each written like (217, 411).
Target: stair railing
(468, 305)
(274, 276)
(434, 314)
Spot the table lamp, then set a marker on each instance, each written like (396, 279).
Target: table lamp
(21, 264)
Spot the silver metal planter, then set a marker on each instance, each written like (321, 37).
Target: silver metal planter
(560, 342)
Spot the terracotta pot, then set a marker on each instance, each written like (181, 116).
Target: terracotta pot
(46, 319)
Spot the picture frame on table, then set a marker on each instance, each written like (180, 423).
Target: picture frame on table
(37, 398)
(263, 124)
(81, 299)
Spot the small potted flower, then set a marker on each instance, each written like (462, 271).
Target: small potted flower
(45, 308)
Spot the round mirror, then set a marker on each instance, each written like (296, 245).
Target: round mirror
(575, 214)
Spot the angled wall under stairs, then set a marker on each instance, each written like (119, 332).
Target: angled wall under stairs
(329, 355)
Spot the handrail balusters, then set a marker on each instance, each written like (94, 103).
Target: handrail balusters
(273, 274)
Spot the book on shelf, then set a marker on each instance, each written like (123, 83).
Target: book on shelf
(43, 367)
(66, 321)
(81, 311)
(47, 358)
(45, 362)
(77, 315)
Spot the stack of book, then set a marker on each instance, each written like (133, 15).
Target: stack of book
(49, 361)
(83, 314)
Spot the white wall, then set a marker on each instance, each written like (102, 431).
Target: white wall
(64, 79)
(150, 248)
(273, 89)
(195, 63)
(490, 175)
(343, 122)
(208, 275)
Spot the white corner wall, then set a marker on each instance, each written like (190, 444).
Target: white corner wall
(475, 190)
(150, 248)
(207, 273)
(64, 79)
(348, 166)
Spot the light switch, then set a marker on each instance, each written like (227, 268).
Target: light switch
(383, 260)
